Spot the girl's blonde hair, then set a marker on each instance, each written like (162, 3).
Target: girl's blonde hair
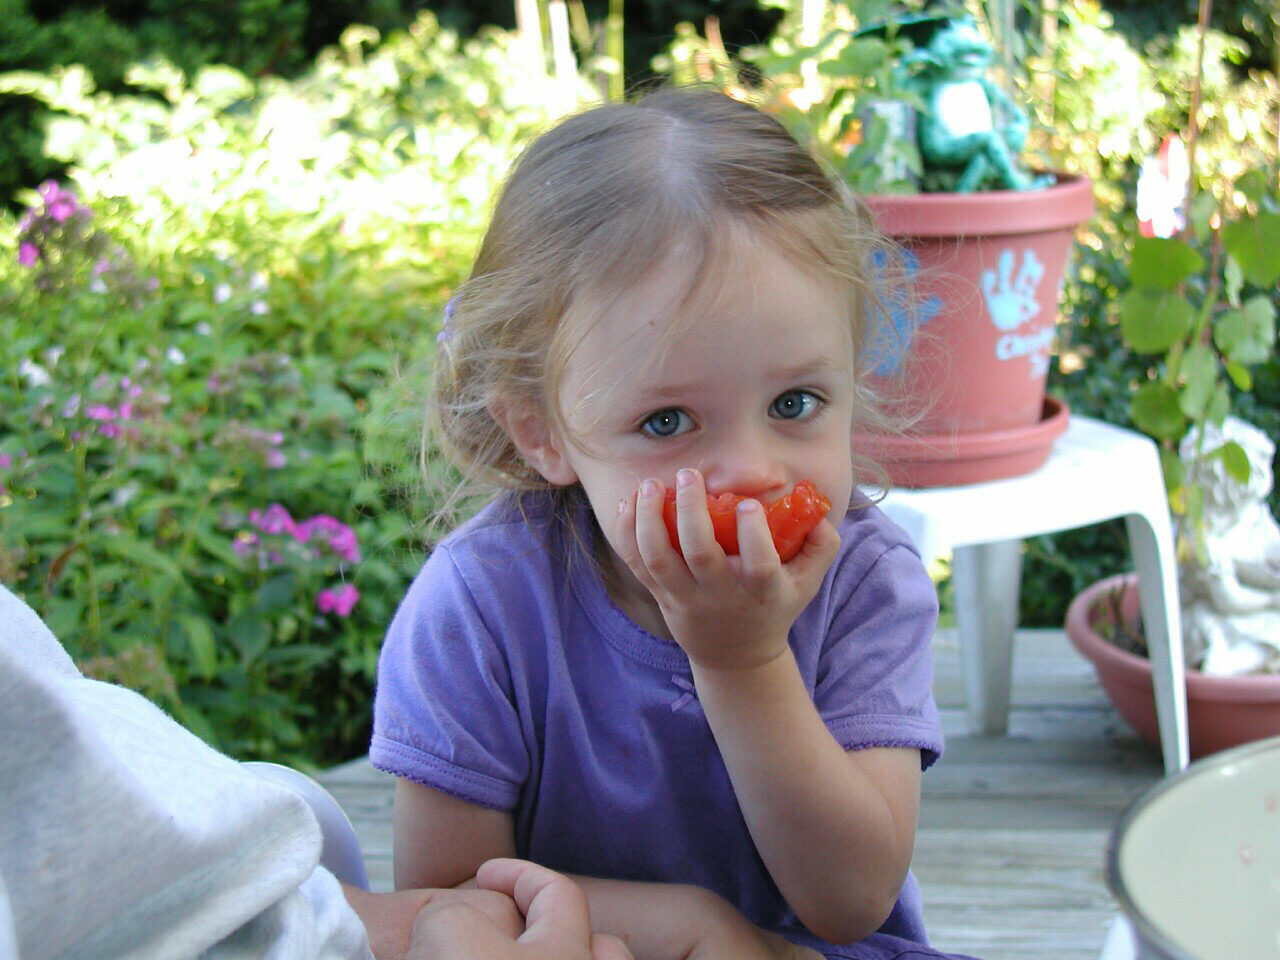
(590, 207)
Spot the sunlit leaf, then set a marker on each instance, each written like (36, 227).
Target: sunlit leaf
(1254, 243)
(1233, 280)
(1200, 373)
(1239, 375)
(1253, 185)
(1153, 320)
(1203, 207)
(1161, 263)
(1235, 460)
(1219, 404)
(1247, 335)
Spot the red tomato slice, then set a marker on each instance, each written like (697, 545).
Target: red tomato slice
(790, 517)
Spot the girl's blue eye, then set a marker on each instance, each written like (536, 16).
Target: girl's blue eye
(666, 423)
(794, 405)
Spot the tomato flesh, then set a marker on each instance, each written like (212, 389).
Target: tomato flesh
(790, 517)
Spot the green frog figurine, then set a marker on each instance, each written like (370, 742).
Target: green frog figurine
(970, 132)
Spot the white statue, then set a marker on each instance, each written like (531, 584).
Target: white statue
(1231, 600)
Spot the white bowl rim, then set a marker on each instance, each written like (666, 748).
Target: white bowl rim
(1146, 930)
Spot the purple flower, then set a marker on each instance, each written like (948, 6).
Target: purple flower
(109, 430)
(6, 461)
(276, 519)
(339, 601)
(28, 254)
(101, 412)
(62, 208)
(341, 538)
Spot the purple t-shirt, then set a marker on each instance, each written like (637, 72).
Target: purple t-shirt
(510, 679)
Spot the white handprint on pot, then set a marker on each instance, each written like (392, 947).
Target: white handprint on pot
(1012, 300)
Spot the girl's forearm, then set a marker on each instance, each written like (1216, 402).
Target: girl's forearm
(835, 844)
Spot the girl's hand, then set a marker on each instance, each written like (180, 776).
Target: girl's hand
(725, 612)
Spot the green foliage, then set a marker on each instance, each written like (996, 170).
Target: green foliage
(257, 37)
(207, 434)
(1204, 303)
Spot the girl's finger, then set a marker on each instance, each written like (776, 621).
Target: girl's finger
(819, 549)
(624, 539)
(652, 539)
(758, 559)
(693, 522)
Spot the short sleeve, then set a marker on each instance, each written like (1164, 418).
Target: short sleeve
(444, 711)
(874, 683)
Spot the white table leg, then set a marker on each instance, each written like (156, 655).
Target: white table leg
(1151, 541)
(987, 578)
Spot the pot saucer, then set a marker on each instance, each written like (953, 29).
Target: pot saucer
(955, 459)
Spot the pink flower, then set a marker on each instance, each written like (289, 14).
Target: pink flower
(339, 601)
(109, 430)
(62, 208)
(6, 461)
(341, 538)
(100, 411)
(276, 519)
(28, 254)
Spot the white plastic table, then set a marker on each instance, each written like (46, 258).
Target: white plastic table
(1095, 472)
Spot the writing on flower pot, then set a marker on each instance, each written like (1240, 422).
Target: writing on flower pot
(1012, 303)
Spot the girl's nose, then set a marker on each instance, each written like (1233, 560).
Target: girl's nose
(746, 465)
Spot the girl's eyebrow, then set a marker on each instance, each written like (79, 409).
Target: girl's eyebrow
(655, 395)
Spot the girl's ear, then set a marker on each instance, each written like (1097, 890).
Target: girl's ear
(533, 437)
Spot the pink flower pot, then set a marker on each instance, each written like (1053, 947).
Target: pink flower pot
(987, 275)
(1222, 712)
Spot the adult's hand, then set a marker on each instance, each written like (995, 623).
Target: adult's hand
(389, 917)
(557, 923)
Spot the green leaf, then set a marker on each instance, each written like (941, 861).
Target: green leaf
(277, 593)
(1234, 281)
(1253, 185)
(1161, 263)
(1156, 411)
(1247, 335)
(1200, 374)
(216, 545)
(1203, 207)
(1174, 470)
(1235, 460)
(141, 554)
(249, 633)
(200, 640)
(1239, 375)
(1219, 405)
(1254, 243)
(1152, 321)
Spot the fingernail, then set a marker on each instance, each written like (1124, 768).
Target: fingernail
(622, 505)
(748, 506)
(649, 488)
(685, 478)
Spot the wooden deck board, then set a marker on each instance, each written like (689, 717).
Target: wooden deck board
(1013, 830)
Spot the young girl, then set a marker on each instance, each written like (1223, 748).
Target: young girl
(725, 750)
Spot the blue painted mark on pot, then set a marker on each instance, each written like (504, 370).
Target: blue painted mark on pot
(899, 316)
